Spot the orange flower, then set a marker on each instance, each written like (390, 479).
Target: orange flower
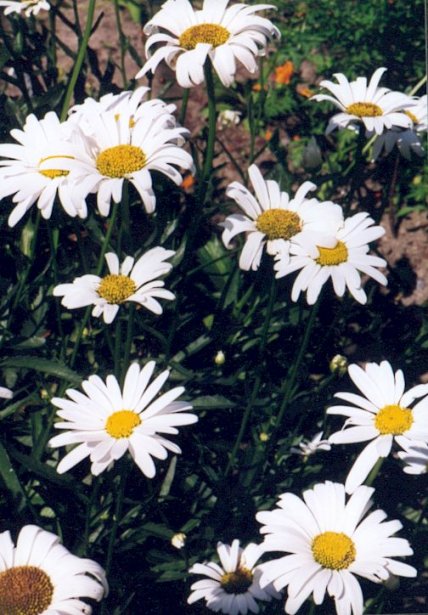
(257, 87)
(268, 134)
(188, 182)
(304, 91)
(284, 73)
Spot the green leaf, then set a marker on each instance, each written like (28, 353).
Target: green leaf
(212, 402)
(9, 475)
(53, 368)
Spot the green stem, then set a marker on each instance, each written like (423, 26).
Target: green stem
(212, 120)
(55, 272)
(107, 237)
(100, 265)
(288, 387)
(183, 110)
(375, 471)
(358, 166)
(129, 338)
(123, 44)
(79, 60)
(117, 345)
(116, 522)
(257, 382)
(88, 517)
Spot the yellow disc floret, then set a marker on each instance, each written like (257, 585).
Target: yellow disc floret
(412, 116)
(393, 420)
(53, 173)
(364, 109)
(278, 223)
(333, 550)
(237, 582)
(25, 590)
(332, 256)
(116, 288)
(209, 33)
(120, 160)
(121, 424)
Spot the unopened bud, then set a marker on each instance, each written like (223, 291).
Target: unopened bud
(228, 118)
(312, 157)
(339, 364)
(179, 540)
(220, 358)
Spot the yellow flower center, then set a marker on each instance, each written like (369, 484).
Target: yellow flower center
(278, 223)
(237, 582)
(53, 173)
(412, 116)
(332, 256)
(25, 590)
(364, 109)
(120, 160)
(393, 420)
(116, 288)
(333, 550)
(209, 33)
(121, 424)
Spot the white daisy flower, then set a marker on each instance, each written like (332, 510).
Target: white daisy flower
(329, 542)
(224, 35)
(381, 416)
(28, 7)
(130, 281)
(6, 393)
(309, 447)
(128, 102)
(232, 587)
(377, 108)
(39, 576)
(108, 422)
(415, 457)
(275, 221)
(407, 141)
(342, 263)
(26, 170)
(124, 146)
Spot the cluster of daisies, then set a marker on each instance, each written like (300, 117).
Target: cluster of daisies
(327, 537)
(303, 234)
(393, 118)
(326, 540)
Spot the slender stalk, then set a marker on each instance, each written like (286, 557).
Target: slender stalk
(117, 345)
(107, 237)
(212, 120)
(79, 60)
(375, 471)
(92, 499)
(288, 387)
(257, 382)
(183, 110)
(357, 169)
(104, 247)
(203, 195)
(55, 272)
(129, 338)
(123, 44)
(116, 522)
